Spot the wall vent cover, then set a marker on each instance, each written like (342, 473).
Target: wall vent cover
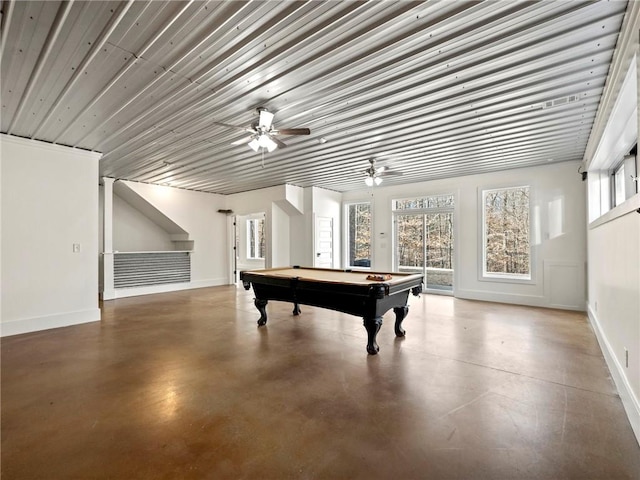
(151, 268)
(560, 101)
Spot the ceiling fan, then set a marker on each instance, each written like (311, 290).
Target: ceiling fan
(263, 134)
(374, 174)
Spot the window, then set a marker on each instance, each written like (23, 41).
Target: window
(506, 245)
(359, 234)
(618, 184)
(433, 201)
(623, 179)
(255, 238)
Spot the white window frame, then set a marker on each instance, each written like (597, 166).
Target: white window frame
(256, 240)
(423, 209)
(450, 209)
(618, 189)
(618, 137)
(347, 239)
(623, 183)
(497, 276)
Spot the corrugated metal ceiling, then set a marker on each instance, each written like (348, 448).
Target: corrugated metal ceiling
(435, 89)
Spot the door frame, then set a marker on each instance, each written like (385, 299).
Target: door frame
(316, 229)
(424, 212)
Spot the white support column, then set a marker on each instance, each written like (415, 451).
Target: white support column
(108, 291)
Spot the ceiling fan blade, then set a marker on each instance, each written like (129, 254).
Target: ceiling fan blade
(389, 173)
(292, 131)
(242, 141)
(266, 119)
(235, 127)
(278, 142)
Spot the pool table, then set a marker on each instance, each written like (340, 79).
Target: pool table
(342, 290)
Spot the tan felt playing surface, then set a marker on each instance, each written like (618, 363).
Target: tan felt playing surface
(334, 276)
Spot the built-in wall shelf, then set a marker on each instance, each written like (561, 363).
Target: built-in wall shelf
(183, 245)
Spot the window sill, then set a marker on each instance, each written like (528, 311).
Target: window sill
(507, 279)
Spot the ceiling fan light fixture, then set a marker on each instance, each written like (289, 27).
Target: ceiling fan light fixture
(265, 141)
(368, 181)
(254, 144)
(262, 141)
(377, 180)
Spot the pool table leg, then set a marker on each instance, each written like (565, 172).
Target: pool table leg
(372, 325)
(296, 309)
(401, 313)
(261, 305)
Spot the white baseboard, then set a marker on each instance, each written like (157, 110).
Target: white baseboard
(532, 301)
(630, 401)
(170, 287)
(512, 298)
(35, 324)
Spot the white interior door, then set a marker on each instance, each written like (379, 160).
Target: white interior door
(324, 242)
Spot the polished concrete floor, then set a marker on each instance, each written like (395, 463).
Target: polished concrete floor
(185, 385)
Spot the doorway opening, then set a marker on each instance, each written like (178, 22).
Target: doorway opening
(249, 243)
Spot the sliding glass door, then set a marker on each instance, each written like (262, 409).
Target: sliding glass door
(424, 244)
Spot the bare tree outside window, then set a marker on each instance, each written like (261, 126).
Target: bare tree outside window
(507, 232)
(359, 234)
(261, 243)
(424, 238)
(432, 201)
(255, 240)
(410, 244)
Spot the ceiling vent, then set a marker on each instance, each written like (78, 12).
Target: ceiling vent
(560, 101)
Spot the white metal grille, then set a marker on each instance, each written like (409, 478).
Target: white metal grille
(151, 268)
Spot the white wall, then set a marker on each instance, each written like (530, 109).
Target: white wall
(135, 232)
(290, 213)
(280, 232)
(49, 203)
(301, 238)
(614, 299)
(197, 213)
(614, 234)
(279, 203)
(559, 252)
(300, 241)
(327, 203)
(317, 202)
